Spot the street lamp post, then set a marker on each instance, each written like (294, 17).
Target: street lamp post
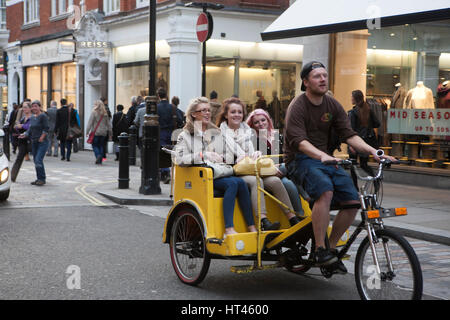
(150, 139)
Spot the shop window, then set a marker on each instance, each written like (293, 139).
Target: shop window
(274, 82)
(69, 82)
(403, 72)
(57, 83)
(132, 80)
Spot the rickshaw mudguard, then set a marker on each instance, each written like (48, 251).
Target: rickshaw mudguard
(172, 213)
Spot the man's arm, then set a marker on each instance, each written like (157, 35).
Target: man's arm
(311, 151)
(359, 145)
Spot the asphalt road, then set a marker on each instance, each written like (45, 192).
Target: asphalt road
(94, 252)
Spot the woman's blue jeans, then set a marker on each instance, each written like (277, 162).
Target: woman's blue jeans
(97, 146)
(232, 187)
(39, 149)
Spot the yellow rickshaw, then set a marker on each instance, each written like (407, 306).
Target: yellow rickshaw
(194, 229)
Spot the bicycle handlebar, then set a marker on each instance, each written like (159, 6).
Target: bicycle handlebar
(383, 163)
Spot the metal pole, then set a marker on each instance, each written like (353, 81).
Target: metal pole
(204, 62)
(152, 49)
(124, 168)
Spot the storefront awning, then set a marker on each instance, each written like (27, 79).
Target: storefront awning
(312, 17)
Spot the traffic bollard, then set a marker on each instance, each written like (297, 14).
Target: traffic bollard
(124, 168)
(132, 141)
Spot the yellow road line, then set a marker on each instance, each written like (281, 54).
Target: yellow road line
(81, 190)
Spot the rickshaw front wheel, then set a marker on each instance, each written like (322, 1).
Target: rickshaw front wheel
(188, 254)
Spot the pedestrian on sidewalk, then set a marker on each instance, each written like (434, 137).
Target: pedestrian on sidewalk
(65, 117)
(75, 140)
(101, 126)
(119, 125)
(109, 136)
(166, 124)
(12, 133)
(38, 134)
(53, 141)
(363, 120)
(23, 143)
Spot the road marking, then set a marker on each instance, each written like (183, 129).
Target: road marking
(81, 189)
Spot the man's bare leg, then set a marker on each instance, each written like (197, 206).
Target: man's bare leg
(321, 217)
(341, 223)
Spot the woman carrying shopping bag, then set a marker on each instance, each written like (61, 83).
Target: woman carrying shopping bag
(98, 129)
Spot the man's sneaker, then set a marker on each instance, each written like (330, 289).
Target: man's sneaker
(323, 257)
(38, 183)
(337, 267)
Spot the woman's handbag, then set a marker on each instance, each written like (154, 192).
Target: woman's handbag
(220, 170)
(74, 132)
(246, 167)
(90, 139)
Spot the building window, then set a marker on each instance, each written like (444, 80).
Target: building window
(31, 11)
(111, 6)
(60, 7)
(141, 3)
(3, 14)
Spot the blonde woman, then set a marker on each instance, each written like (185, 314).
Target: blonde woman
(201, 142)
(101, 126)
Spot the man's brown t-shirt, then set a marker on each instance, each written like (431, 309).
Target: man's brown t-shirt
(306, 121)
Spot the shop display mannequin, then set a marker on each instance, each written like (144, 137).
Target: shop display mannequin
(419, 97)
(398, 97)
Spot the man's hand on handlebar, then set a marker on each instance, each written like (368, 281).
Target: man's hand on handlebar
(327, 159)
(379, 154)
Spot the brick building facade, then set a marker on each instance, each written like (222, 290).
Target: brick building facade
(37, 69)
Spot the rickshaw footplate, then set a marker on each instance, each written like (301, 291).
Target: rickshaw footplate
(251, 268)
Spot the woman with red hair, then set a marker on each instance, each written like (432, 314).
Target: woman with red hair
(268, 138)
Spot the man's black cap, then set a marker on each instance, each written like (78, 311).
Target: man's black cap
(307, 68)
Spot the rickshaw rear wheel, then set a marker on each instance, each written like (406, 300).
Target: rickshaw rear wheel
(188, 254)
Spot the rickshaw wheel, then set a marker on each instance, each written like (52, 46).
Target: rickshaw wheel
(188, 254)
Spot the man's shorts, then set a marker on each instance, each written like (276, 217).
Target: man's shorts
(317, 178)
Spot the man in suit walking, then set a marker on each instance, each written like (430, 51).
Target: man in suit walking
(64, 118)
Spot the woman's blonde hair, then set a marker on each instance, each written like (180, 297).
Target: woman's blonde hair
(99, 108)
(189, 126)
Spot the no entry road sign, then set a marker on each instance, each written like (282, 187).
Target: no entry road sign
(204, 26)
